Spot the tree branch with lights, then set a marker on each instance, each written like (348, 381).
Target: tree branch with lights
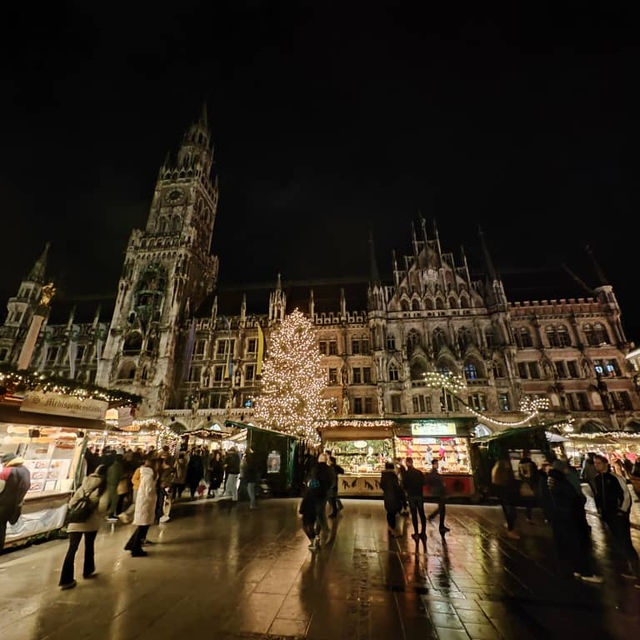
(293, 380)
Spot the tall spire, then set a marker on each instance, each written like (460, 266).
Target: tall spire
(203, 117)
(602, 279)
(374, 274)
(488, 262)
(37, 272)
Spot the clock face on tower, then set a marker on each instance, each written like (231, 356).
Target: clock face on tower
(175, 196)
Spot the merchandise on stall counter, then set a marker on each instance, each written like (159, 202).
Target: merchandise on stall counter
(452, 452)
(362, 456)
(48, 453)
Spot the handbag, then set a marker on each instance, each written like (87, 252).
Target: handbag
(82, 509)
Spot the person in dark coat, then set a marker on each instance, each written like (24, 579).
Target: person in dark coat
(323, 474)
(611, 502)
(17, 482)
(114, 474)
(504, 484)
(435, 482)
(195, 472)
(568, 521)
(334, 501)
(413, 483)
(216, 473)
(251, 475)
(231, 467)
(394, 499)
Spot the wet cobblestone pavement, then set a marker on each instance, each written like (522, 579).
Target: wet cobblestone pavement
(248, 575)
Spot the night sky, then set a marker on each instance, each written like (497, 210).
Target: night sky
(329, 118)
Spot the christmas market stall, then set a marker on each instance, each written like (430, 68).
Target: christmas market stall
(615, 445)
(362, 446)
(542, 444)
(45, 421)
(276, 453)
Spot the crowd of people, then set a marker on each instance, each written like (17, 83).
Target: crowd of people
(556, 489)
(138, 488)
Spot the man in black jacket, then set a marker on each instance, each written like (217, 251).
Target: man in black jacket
(413, 483)
(434, 480)
(334, 501)
(609, 498)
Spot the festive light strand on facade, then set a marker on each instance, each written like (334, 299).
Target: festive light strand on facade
(30, 381)
(293, 380)
(453, 384)
(329, 424)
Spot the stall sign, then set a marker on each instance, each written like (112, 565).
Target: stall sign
(56, 404)
(433, 428)
(273, 462)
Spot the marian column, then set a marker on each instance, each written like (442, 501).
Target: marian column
(39, 316)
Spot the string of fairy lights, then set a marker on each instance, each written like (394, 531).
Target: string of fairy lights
(19, 381)
(293, 380)
(454, 384)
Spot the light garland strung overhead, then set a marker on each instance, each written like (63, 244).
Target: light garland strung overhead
(453, 384)
(13, 380)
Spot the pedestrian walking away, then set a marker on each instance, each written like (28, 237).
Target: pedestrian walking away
(216, 473)
(436, 485)
(251, 476)
(614, 503)
(334, 501)
(144, 514)
(413, 484)
(87, 509)
(568, 521)
(394, 500)
(504, 484)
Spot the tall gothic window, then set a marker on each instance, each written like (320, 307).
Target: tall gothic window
(470, 371)
(563, 336)
(600, 333)
(413, 341)
(465, 338)
(552, 337)
(394, 373)
(439, 339)
(590, 335)
(523, 338)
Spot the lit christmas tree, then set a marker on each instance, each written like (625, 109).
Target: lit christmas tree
(293, 381)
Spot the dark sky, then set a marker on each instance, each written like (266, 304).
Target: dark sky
(329, 118)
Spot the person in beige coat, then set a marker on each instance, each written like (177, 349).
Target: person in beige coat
(93, 486)
(145, 510)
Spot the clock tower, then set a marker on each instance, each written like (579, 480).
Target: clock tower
(167, 271)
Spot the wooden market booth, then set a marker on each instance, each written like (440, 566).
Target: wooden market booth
(45, 422)
(363, 446)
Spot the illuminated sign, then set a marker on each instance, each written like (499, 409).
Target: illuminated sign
(433, 428)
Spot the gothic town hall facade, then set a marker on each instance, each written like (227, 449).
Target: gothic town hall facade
(169, 341)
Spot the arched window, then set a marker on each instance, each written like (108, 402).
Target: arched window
(453, 303)
(132, 343)
(415, 305)
(465, 338)
(429, 305)
(563, 336)
(470, 371)
(490, 337)
(523, 338)
(439, 339)
(552, 336)
(498, 369)
(413, 341)
(444, 368)
(601, 334)
(394, 373)
(404, 305)
(127, 371)
(590, 335)
(464, 302)
(439, 303)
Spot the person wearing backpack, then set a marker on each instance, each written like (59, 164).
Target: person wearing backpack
(87, 508)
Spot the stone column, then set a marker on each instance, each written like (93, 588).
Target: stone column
(29, 344)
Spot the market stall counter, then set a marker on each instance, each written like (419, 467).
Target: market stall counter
(362, 446)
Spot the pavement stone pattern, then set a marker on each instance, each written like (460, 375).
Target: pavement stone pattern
(248, 575)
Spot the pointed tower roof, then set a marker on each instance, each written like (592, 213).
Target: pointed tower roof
(488, 262)
(38, 270)
(203, 116)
